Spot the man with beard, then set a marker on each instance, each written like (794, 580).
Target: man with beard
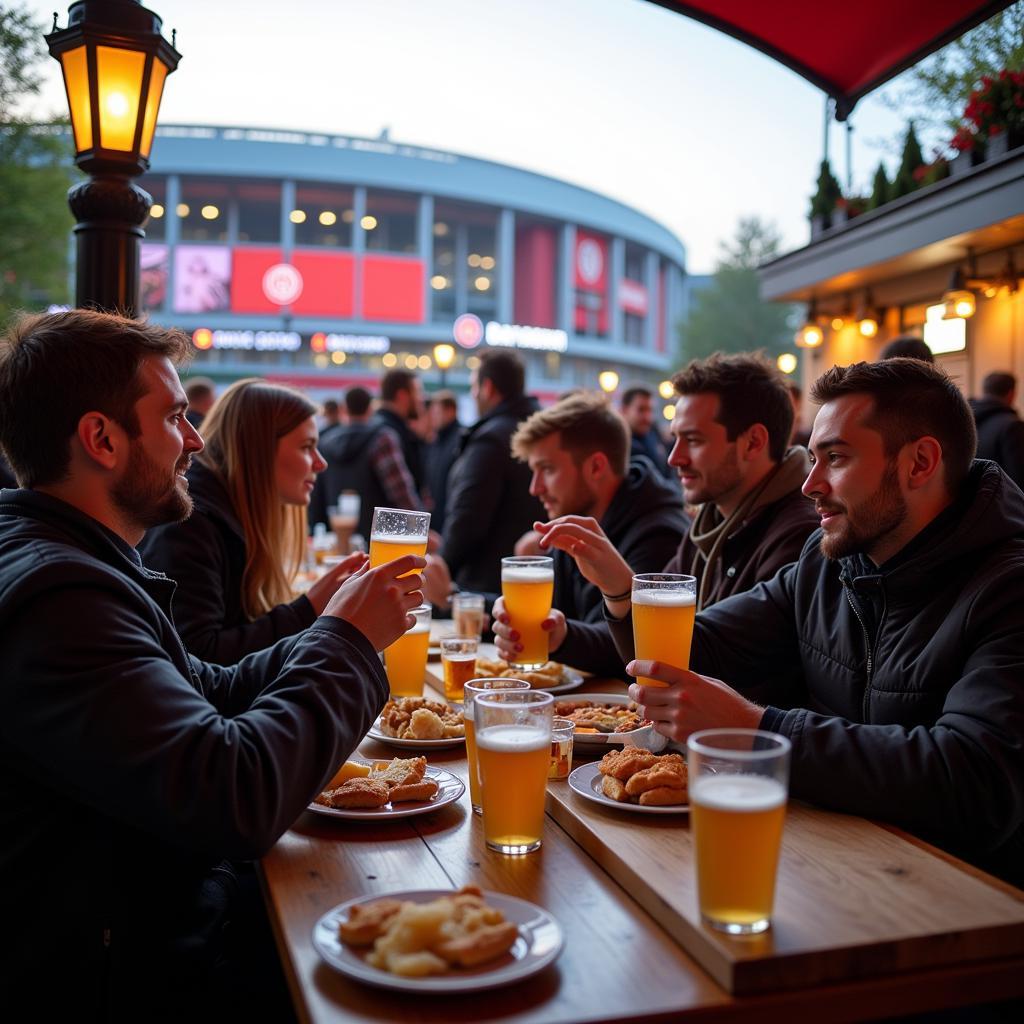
(133, 771)
(891, 654)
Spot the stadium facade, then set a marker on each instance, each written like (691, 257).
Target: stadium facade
(321, 260)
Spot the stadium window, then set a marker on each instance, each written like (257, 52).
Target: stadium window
(390, 221)
(259, 212)
(328, 220)
(156, 226)
(203, 210)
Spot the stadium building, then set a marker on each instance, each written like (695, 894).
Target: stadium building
(321, 260)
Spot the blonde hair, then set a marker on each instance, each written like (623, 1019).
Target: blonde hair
(241, 432)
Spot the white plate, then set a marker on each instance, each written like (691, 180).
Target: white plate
(539, 943)
(636, 737)
(449, 790)
(412, 744)
(586, 780)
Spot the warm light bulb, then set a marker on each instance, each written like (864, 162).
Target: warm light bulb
(486, 262)
(328, 218)
(838, 323)
(439, 282)
(481, 284)
(182, 210)
(964, 308)
(410, 362)
(473, 363)
(868, 327)
(609, 380)
(156, 211)
(444, 355)
(389, 359)
(787, 362)
(813, 335)
(117, 104)
(669, 412)
(209, 212)
(424, 362)
(338, 358)
(665, 389)
(473, 259)
(297, 216)
(368, 222)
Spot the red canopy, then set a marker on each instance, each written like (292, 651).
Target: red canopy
(846, 49)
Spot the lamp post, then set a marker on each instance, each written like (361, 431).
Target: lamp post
(114, 61)
(444, 356)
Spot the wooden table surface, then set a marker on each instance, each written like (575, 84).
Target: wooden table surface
(624, 956)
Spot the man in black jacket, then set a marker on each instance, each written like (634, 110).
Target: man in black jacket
(442, 452)
(131, 770)
(891, 654)
(1000, 429)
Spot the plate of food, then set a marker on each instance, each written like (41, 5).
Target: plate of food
(551, 677)
(438, 940)
(634, 780)
(604, 718)
(418, 723)
(399, 788)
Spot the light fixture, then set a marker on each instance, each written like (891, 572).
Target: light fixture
(444, 355)
(838, 323)
(297, 216)
(481, 284)
(182, 210)
(486, 262)
(669, 412)
(959, 303)
(665, 389)
(439, 282)
(609, 381)
(810, 334)
(156, 211)
(868, 318)
(411, 362)
(327, 218)
(440, 229)
(209, 212)
(787, 362)
(389, 359)
(473, 259)
(368, 223)
(338, 358)
(423, 362)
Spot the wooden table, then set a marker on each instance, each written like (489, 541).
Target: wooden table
(622, 889)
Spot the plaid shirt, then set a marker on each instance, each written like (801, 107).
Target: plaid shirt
(388, 463)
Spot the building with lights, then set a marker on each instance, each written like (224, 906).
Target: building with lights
(321, 260)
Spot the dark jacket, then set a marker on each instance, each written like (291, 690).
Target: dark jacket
(440, 455)
(772, 537)
(489, 501)
(412, 446)
(205, 555)
(651, 446)
(645, 522)
(347, 454)
(128, 768)
(1000, 436)
(901, 687)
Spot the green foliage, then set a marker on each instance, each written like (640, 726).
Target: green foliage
(879, 188)
(729, 315)
(823, 202)
(35, 172)
(905, 182)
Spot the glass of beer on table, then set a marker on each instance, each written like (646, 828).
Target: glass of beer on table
(458, 662)
(468, 614)
(664, 606)
(738, 784)
(396, 532)
(471, 691)
(527, 584)
(513, 749)
(405, 661)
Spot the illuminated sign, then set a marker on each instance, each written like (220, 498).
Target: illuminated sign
(516, 336)
(247, 341)
(468, 330)
(633, 297)
(589, 261)
(282, 284)
(363, 344)
(943, 335)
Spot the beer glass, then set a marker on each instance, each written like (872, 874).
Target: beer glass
(513, 749)
(664, 606)
(396, 532)
(405, 661)
(738, 779)
(527, 584)
(471, 691)
(458, 662)
(468, 613)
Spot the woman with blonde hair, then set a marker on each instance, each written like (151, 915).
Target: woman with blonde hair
(236, 557)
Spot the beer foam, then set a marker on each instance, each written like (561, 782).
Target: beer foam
(398, 538)
(459, 657)
(512, 739)
(664, 598)
(739, 793)
(420, 627)
(527, 574)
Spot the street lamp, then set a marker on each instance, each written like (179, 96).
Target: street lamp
(114, 61)
(444, 356)
(609, 381)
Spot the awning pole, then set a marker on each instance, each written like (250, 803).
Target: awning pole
(828, 100)
(849, 158)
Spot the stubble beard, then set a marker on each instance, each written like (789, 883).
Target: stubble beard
(146, 497)
(867, 523)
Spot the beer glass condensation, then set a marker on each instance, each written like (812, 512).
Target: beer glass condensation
(396, 532)
(471, 691)
(527, 584)
(664, 607)
(458, 663)
(513, 749)
(405, 661)
(738, 780)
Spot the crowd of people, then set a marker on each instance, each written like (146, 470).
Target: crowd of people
(170, 706)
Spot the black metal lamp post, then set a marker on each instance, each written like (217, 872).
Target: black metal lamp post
(114, 61)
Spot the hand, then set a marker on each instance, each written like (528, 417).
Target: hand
(437, 582)
(506, 638)
(377, 602)
(595, 556)
(321, 591)
(690, 702)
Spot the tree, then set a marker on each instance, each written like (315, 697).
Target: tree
(35, 172)
(824, 200)
(904, 183)
(729, 315)
(880, 189)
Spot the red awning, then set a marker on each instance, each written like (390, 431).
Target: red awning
(846, 49)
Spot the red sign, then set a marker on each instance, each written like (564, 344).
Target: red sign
(468, 330)
(393, 289)
(591, 262)
(329, 284)
(633, 297)
(249, 266)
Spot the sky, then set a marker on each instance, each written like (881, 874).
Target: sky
(623, 97)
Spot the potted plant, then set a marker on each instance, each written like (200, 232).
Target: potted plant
(993, 121)
(823, 202)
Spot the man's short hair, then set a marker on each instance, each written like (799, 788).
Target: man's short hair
(999, 384)
(505, 370)
(633, 392)
(330, 407)
(907, 347)
(750, 390)
(446, 400)
(56, 367)
(357, 401)
(912, 399)
(199, 388)
(586, 423)
(395, 381)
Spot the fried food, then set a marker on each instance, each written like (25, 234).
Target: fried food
(626, 762)
(395, 781)
(400, 771)
(669, 771)
(663, 796)
(367, 921)
(596, 716)
(631, 775)
(425, 725)
(611, 787)
(349, 770)
(419, 718)
(549, 674)
(356, 793)
(424, 790)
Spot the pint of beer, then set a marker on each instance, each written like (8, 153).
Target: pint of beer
(664, 607)
(458, 662)
(738, 784)
(513, 748)
(397, 532)
(405, 661)
(471, 691)
(468, 613)
(527, 584)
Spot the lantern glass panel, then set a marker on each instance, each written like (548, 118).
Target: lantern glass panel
(76, 79)
(156, 89)
(119, 74)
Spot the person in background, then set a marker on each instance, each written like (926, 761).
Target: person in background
(236, 558)
(330, 417)
(400, 406)
(201, 393)
(638, 411)
(906, 346)
(800, 434)
(1000, 429)
(441, 453)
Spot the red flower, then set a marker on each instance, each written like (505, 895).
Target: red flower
(994, 129)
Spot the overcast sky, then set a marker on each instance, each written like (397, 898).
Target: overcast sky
(620, 96)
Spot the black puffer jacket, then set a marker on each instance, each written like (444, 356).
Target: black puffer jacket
(901, 687)
(205, 555)
(1000, 436)
(128, 769)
